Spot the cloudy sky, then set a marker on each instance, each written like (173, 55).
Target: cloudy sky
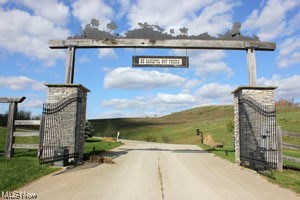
(117, 89)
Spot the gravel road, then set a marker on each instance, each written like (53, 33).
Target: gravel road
(158, 172)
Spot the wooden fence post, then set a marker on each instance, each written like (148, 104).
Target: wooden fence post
(12, 113)
(279, 149)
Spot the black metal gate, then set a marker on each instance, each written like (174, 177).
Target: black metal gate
(258, 134)
(57, 132)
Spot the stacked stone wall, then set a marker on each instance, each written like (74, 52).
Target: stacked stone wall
(262, 95)
(71, 120)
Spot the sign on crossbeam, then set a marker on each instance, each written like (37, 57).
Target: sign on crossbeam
(161, 61)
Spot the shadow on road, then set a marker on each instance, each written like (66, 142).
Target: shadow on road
(170, 150)
(89, 165)
(121, 152)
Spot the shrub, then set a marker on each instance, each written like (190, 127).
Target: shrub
(150, 138)
(165, 138)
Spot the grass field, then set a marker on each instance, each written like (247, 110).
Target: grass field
(25, 167)
(181, 128)
(175, 128)
(178, 128)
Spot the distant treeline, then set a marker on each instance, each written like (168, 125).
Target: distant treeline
(21, 115)
(286, 102)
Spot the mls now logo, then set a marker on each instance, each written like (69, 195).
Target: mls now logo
(18, 195)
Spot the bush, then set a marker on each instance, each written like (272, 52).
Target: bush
(165, 138)
(150, 138)
(230, 126)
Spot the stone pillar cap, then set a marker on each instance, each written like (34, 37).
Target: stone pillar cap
(253, 88)
(69, 85)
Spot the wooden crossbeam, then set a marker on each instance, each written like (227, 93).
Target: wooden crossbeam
(166, 43)
(12, 99)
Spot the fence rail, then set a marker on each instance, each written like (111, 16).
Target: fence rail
(26, 134)
(27, 122)
(292, 159)
(25, 146)
(290, 134)
(291, 146)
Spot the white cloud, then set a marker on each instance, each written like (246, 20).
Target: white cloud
(52, 10)
(271, 22)
(207, 63)
(23, 33)
(159, 104)
(214, 93)
(214, 19)
(3, 1)
(120, 114)
(85, 10)
(20, 83)
(164, 103)
(107, 53)
(32, 103)
(84, 59)
(173, 99)
(289, 53)
(129, 78)
(212, 16)
(123, 104)
(293, 24)
(288, 87)
(124, 7)
(190, 84)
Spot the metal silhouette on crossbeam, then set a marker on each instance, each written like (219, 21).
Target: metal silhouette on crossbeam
(156, 32)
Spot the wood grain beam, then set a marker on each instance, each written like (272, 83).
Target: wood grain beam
(167, 43)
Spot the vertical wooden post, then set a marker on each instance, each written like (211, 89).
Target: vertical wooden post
(279, 149)
(12, 113)
(251, 66)
(70, 65)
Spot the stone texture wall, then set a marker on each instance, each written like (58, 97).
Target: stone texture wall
(72, 118)
(262, 95)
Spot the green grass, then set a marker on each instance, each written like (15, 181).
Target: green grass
(20, 170)
(291, 152)
(175, 128)
(95, 146)
(287, 179)
(181, 128)
(225, 153)
(24, 167)
(288, 117)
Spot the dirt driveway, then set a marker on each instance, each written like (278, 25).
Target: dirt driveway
(158, 172)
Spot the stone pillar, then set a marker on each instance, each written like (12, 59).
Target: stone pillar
(73, 136)
(262, 95)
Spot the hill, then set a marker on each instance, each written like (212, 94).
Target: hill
(181, 127)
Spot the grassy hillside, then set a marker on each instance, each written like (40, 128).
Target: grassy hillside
(175, 128)
(181, 127)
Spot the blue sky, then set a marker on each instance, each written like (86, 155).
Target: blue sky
(117, 89)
